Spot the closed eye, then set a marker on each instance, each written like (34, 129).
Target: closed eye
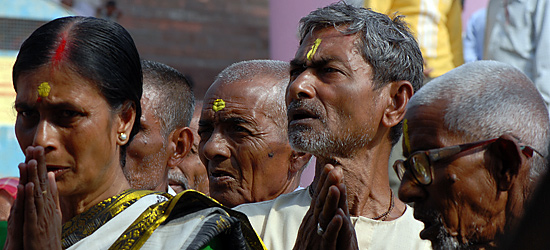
(70, 114)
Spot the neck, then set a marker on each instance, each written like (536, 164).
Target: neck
(289, 186)
(366, 180)
(72, 205)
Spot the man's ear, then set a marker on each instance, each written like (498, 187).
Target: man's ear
(400, 94)
(181, 141)
(298, 161)
(506, 160)
(127, 117)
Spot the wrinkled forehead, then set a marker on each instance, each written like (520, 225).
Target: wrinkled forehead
(321, 38)
(257, 94)
(424, 128)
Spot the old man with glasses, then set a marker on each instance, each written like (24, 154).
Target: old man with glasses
(475, 142)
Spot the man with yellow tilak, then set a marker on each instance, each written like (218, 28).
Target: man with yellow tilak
(243, 129)
(350, 81)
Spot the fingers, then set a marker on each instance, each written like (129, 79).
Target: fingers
(23, 174)
(330, 206)
(321, 190)
(38, 196)
(14, 239)
(330, 237)
(347, 238)
(31, 218)
(28, 153)
(41, 167)
(343, 202)
(324, 173)
(306, 238)
(327, 202)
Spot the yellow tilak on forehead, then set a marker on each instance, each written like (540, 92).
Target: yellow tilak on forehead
(43, 91)
(406, 136)
(218, 105)
(313, 49)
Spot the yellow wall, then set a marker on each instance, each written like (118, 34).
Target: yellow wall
(7, 94)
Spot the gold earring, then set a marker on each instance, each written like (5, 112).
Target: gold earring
(122, 136)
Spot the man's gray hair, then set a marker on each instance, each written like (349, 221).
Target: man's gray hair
(486, 99)
(386, 44)
(254, 69)
(176, 102)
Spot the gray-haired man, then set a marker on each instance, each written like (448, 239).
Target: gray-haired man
(351, 78)
(476, 140)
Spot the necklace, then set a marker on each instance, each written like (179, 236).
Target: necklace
(384, 216)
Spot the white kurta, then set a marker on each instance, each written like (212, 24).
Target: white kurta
(277, 222)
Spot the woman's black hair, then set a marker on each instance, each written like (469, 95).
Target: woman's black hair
(99, 50)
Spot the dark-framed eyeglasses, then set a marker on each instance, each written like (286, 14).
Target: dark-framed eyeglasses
(420, 163)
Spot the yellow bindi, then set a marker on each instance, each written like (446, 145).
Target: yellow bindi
(406, 136)
(218, 105)
(44, 89)
(313, 49)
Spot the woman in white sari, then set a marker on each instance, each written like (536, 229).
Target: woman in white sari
(79, 83)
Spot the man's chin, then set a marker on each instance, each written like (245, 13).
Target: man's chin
(177, 188)
(310, 141)
(442, 240)
(434, 230)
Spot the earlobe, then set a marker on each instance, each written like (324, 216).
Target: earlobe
(298, 161)
(506, 160)
(127, 117)
(400, 93)
(181, 141)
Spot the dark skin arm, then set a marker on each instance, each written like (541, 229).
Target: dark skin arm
(35, 218)
(328, 208)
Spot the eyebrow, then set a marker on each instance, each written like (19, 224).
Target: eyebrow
(235, 120)
(315, 63)
(230, 120)
(21, 105)
(203, 123)
(61, 105)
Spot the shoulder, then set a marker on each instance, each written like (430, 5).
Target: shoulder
(278, 219)
(298, 198)
(403, 232)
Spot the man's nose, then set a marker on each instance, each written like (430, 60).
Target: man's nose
(216, 146)
(302, 87)
(410, 190)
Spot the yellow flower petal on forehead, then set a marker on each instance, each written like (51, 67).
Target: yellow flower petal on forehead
(218, 105)
(406, 136)
(44, 89)
(313, 49)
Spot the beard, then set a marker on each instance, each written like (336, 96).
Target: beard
(443, 240)
(321, 140)
(178, 178)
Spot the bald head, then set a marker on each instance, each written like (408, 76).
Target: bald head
(486, 99)
(268, 78)
(470, 168)
(243, 130)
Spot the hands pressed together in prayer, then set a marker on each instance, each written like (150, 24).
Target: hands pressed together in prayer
(35, 221)
(327, 224)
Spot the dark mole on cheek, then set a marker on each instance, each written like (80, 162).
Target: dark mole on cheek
(270, 155)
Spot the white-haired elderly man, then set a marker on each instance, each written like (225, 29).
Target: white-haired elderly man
(244, 141)
(475, 140)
